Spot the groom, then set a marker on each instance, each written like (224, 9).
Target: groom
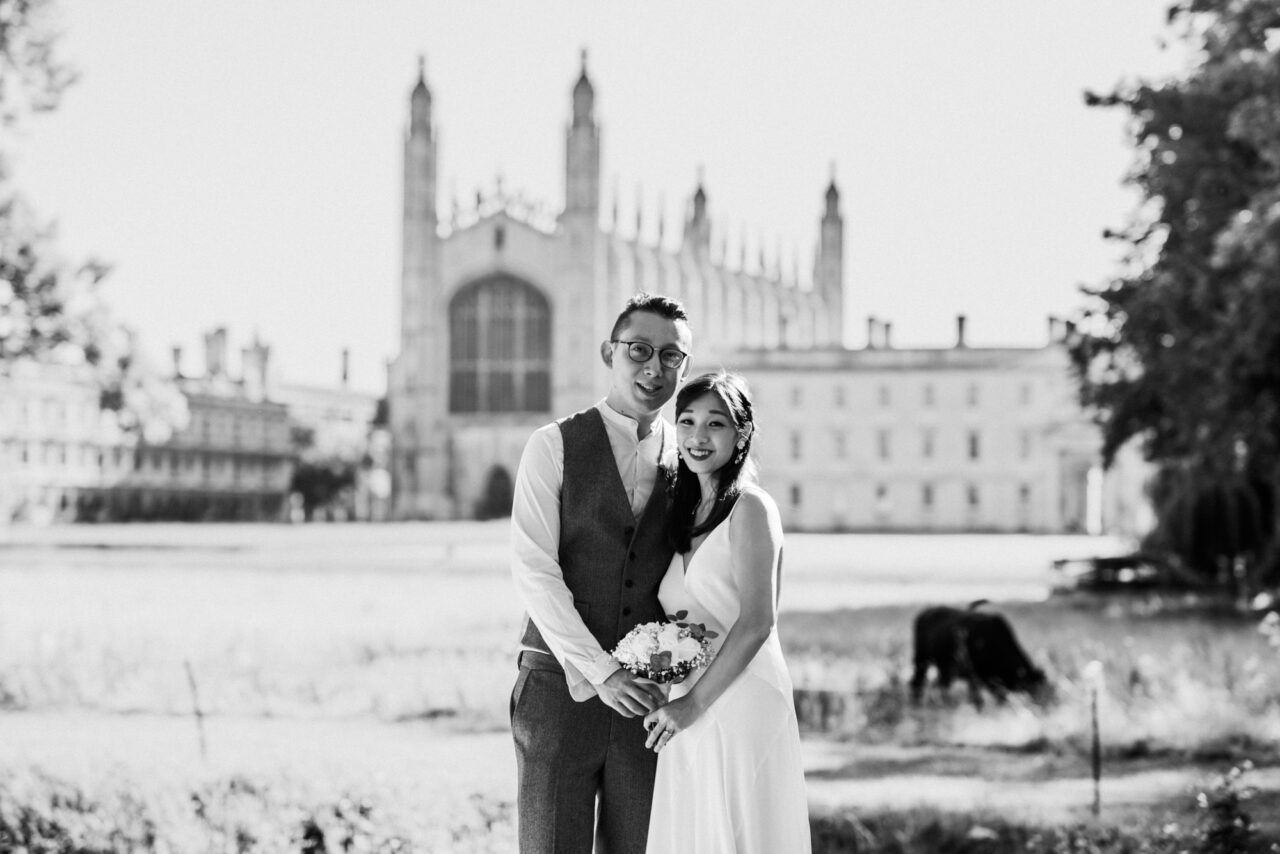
(590, 549)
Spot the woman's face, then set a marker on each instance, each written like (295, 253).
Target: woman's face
(705, 434)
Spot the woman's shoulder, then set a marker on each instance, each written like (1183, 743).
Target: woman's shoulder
(754, 505)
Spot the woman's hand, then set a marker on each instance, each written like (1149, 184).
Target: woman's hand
(665, 721)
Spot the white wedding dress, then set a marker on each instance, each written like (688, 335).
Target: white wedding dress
(733, 782)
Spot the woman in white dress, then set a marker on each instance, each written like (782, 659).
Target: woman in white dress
(730, 778)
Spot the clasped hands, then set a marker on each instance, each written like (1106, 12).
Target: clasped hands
(630, 696)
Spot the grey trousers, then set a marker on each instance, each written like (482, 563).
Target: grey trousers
(583, 769)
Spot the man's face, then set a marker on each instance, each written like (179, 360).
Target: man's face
(644, 387)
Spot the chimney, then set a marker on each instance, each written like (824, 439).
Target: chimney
(960, 331)
(215, 352)
(346, 365)
(887, 328)
(177, 361)
(1053, 329)
(871, 332)
(254, 365)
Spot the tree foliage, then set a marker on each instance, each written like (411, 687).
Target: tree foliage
(52, 310)
(1181, 350)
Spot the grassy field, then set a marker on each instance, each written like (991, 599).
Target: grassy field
(354, 682)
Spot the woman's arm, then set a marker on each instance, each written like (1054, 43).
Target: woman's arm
(755, 538)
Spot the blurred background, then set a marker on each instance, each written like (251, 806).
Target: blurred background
(293, 284)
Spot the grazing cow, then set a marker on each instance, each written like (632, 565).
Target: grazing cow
(977, 646)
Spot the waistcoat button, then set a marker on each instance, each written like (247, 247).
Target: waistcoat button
(630, 583)
(626, 612)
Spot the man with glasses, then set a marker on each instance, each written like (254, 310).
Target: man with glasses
(590, 548)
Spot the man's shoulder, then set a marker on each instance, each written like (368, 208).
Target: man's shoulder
(581, 418)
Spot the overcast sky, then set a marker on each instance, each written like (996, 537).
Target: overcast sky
(239, 162)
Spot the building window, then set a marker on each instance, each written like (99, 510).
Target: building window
(928, 395)
(926, 446)
(796, 495)
(1024, 444)
(883, 505)
(974, 497)
(797, 396)
(884, 444)
(837, 395)
(975, 445)
(795, 445)
(838, 445)
(1024, 495)
(886, 396)
(926, 496)
(499, 348)
(1024, 394)
(972, 394)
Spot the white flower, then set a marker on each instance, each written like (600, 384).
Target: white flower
(669, 637)
(638, 645)
(687, 649)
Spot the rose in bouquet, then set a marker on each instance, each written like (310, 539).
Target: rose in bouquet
(666, 652)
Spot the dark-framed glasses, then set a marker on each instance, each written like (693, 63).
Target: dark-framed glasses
(641, 352)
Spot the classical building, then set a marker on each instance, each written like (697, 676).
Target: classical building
(503, 306)
(63, 459)
(949, 439)
(231, 461)
(343, 423)
(51, 448)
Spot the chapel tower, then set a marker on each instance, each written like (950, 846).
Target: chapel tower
(584, 311)
(829, 276)
(419, 374)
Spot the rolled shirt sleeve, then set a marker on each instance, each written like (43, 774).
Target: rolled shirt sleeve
(535, 565)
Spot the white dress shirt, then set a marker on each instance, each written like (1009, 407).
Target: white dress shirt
(535, 537)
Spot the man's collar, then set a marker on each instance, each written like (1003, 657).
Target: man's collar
(626, 422)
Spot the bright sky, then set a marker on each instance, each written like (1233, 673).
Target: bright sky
(239, 162)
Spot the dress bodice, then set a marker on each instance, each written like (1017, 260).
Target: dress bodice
(708, 589)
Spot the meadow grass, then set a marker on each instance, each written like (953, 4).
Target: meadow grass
(239, 814)
(372, 634)
(1184, 677)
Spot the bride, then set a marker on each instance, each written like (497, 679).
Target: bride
(730, 779)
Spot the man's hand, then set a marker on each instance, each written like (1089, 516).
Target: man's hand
(629, 695)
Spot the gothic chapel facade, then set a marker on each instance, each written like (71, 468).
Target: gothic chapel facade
(502, 315)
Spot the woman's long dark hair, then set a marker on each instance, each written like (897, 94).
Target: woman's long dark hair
(686, 490)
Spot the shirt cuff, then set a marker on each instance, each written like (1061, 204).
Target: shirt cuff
(604, 666)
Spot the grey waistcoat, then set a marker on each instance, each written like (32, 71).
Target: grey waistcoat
(611, 564)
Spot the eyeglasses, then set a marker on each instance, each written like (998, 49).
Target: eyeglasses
(641, 352)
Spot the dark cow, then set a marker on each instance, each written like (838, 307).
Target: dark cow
(977, 646)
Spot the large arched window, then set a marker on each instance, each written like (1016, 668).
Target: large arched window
(499, 348)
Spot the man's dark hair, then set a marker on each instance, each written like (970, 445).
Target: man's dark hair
(666, 307)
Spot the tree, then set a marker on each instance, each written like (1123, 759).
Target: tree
(1181, 350)
(51, 310)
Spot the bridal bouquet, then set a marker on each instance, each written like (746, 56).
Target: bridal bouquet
(666, 652)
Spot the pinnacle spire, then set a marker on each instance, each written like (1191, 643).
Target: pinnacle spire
(584, 95)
